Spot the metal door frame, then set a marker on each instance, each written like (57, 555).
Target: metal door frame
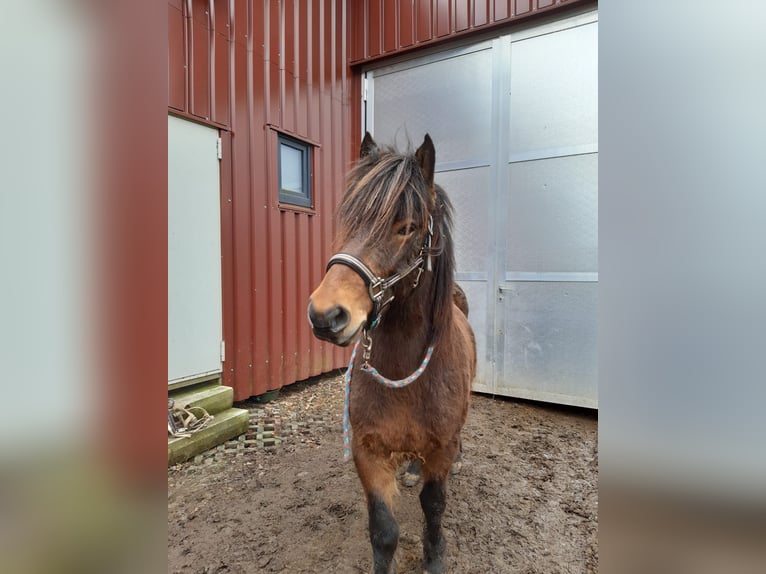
(497, 279)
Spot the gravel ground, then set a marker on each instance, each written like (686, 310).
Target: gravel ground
(280, 499)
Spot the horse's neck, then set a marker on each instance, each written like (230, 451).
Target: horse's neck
(404, 331)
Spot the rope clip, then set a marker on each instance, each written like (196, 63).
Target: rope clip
(367, 346)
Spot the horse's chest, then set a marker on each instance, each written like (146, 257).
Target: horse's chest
(395, 420)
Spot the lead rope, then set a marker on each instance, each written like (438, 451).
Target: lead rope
(379, 378)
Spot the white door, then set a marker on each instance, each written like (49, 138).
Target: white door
(194, 252)
(547, 280)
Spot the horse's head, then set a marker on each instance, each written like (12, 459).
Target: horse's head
(383, 244)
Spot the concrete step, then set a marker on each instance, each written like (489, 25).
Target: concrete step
(211, 396)
(225, 425)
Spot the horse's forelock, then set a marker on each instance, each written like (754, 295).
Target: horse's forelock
(380, 191)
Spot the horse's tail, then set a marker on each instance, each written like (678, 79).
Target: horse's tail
(459, 298)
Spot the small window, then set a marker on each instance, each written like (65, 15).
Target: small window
(294, 171)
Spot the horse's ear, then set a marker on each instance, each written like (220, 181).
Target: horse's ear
(368, 147)
(426, 156)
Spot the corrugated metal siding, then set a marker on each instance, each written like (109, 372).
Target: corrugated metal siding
(254, 69)
(199, 56)
(385, 27)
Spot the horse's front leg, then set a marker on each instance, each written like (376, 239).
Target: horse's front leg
(378, 477)
(433, 501)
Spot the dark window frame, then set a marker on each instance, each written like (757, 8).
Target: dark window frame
(287, 197)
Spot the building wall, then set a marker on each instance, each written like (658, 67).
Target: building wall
(381, 28)
(254, 68)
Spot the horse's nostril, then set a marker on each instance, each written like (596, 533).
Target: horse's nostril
(335, 319)
(341, 319)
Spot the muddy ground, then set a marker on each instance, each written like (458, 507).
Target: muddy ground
(280, 499)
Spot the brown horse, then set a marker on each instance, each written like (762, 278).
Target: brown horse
(391, 288)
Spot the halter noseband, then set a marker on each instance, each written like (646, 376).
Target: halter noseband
(377, 287)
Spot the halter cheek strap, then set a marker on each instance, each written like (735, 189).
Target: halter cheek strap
(378, 286)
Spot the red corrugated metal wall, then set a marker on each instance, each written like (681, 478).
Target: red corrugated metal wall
(255, 68)
(381, 28)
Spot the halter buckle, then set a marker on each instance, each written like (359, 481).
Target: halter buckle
(377, 289)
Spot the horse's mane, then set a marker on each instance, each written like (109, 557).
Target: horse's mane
(387, 187)
(443, 264)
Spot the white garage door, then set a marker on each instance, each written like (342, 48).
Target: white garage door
(514, 120)
(194, 252)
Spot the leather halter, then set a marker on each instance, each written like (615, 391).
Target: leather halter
(378, 286)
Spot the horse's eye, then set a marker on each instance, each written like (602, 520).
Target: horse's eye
(406, 229)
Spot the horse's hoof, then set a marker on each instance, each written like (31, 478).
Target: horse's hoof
(391, 569)
(457, 466)
(410, 479)
(437, 568)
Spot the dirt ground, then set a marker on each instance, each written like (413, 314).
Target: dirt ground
(280, 498)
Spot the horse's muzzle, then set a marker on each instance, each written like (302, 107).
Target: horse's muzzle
(329, 325)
